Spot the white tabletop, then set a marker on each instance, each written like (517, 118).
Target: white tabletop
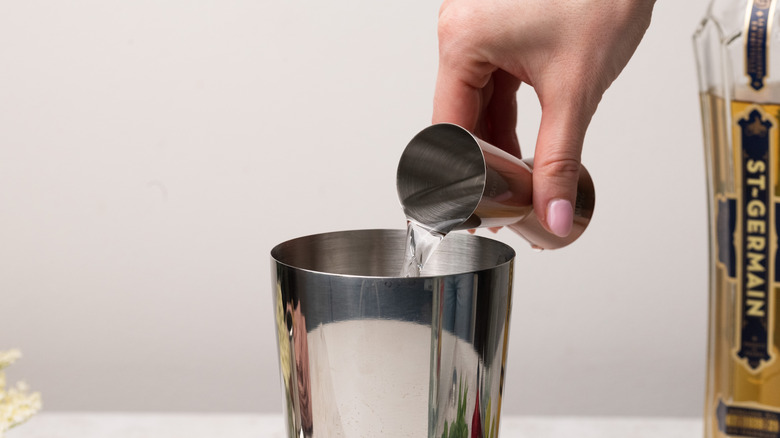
(132, 425)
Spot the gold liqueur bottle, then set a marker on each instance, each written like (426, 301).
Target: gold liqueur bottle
(738, 55)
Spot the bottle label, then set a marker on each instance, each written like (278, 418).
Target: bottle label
(758, 28)
(748, 229)
(747, 421)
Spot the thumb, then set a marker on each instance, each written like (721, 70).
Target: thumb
(557, 164)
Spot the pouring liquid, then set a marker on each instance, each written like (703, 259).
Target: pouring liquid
(421, 243)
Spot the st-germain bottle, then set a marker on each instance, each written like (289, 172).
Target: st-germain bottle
(737, 49)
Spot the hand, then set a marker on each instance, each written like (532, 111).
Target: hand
(568, 51)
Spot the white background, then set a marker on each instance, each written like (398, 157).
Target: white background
(153, 152)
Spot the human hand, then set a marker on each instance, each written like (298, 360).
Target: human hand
(568, 51)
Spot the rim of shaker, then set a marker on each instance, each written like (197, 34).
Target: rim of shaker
(511, 254)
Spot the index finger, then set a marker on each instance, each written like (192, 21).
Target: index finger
(455, 101)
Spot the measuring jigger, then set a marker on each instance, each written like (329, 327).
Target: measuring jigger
(448, 179)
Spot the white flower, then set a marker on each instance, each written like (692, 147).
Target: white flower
(9, 357)
(16, 405)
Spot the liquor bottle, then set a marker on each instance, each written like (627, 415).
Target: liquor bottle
(737, 48)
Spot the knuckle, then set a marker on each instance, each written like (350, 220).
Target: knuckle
(450, 23)
(566, 168)
(458, 27)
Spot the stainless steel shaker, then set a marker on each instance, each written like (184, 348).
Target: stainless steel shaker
(365, 353)
(448, 179)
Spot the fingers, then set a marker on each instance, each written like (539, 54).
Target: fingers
(494, 230)
(557, 163)
(455, 102)
(486, 108)
(500, 114)
(463, 74)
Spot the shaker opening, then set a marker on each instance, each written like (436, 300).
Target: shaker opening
(380, 253)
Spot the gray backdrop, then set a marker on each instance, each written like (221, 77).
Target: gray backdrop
(152, 153)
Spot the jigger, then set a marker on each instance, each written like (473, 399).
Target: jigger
(448, 179)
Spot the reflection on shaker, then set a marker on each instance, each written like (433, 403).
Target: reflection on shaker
(301, 346)
(457, 311)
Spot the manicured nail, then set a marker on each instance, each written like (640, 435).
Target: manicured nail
(560, 215)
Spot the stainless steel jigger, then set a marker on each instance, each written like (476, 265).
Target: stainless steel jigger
(448, 179)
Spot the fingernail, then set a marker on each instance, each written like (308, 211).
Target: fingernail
(560, 215)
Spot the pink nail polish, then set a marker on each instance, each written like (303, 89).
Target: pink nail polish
(560, 215)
